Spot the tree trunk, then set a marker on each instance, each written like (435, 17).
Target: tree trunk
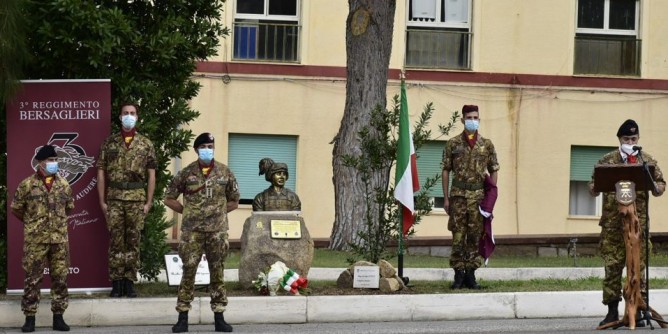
(369, 30)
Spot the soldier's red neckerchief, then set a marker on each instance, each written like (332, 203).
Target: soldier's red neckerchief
(206, 175)
(472, 140)
(47, 180)
(128, 134)
(204, 167)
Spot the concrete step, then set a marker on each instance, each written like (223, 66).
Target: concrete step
(319, 309)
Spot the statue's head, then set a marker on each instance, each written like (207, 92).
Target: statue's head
(269, 168)
(278, 167)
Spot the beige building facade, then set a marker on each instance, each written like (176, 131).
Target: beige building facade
(553, 80)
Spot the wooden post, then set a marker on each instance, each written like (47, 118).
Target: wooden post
(632, 232)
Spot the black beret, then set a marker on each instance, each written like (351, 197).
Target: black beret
(204, 138)
(628, 128)
(45, 152)
(469, 108)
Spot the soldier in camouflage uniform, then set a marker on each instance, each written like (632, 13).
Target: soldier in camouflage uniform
(125, 167)
(466, 160)
(209, 191)
(611, 243)
(43, 201)
(276, 197)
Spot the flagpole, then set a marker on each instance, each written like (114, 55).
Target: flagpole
(400, 258)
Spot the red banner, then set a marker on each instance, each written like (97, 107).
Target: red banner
(74, 116)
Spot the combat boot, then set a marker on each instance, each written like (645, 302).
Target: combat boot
(129, 288)
(116, 288)
(613, 314)
(182, 324)
(59, 323)
(29, 326)
(469, 280)
(220, 324)
(459, 279)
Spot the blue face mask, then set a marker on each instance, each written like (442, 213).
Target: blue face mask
(471, 125)
(51, 167)
(205, 154)
(129, 121)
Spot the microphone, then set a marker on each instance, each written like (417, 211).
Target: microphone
(637, 148)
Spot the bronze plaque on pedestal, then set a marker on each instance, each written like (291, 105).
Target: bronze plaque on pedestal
(286, 229)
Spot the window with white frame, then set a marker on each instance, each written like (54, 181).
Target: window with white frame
(583, 159)
(438, 34)
(266, 30)
(607, 37)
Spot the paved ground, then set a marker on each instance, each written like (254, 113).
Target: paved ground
(561, 325)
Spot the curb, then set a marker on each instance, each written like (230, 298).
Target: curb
(319, 309)
(436, 274)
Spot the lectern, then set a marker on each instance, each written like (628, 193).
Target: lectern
(625, 180)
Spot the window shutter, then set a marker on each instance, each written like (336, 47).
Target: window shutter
(583, 159)
(245, 153)
(429, 158)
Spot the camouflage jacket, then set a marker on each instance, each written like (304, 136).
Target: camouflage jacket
(270, 200)
(44, 212)
(205, 198)
(610, 213)
(469, 165)
(123, 164)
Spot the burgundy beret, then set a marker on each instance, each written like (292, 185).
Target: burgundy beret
(469, 108)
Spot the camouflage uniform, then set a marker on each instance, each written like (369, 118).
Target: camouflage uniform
(204, 228)
(45, 238)
(611, 242)
(270, 200)
(467, 167)
(126, 176)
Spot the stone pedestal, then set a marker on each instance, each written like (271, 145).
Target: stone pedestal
(259, 250)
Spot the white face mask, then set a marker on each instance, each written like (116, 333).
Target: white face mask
(129, 121)
(205, 154)
(471, 125)
(51, 167)
(627, 148)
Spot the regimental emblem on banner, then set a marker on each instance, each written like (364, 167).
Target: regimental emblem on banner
(72, 159)
(625, 193)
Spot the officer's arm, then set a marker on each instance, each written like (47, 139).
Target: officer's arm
(18, 204)
(101, 189)
(661, 187)
(445, 179)
(150, 190)
(174, 205)
(18, 213)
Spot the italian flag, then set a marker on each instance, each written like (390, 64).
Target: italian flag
(406, 178)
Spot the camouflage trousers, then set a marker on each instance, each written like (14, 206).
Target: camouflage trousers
(215, 246)
(465, 223)
(125, 223)
(613, 253)
(35, 257)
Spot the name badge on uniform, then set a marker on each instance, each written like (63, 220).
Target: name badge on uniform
(208, 189)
